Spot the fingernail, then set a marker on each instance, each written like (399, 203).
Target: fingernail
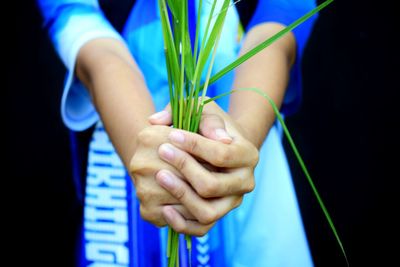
(222, 135)
(166, 179)
(166, 152)
(177, 137)
(159, 115)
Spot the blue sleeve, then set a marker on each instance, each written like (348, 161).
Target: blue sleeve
(71, 24)
(285, 12)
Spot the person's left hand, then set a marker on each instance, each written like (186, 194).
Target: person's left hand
(213, 170)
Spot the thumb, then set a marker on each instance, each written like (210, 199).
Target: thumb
(163, 117)
(212, 126)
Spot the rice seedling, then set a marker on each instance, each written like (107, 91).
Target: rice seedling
(186, 66)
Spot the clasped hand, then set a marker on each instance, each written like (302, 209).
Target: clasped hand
(189, 180)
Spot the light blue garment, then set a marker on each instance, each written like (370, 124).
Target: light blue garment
(71, 24)
(266, 230)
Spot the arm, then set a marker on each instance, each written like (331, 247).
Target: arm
(95, 55)
(267, 71)
(118, 92)
(271, 69)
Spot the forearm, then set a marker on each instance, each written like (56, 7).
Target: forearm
(118, 91)
(267, 71)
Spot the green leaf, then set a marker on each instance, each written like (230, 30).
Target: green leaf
(209, 44)
(171, 59)
(174, 7)
(196, 40)
(211, 41)
(268, 42)
(169, 45)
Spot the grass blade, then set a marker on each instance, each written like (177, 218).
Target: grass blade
(217, 27)
(268, 42)
(196, 40)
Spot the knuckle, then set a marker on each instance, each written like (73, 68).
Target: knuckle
(248, 183)
(141, 193)
(179, 193)
(246, 180)
(151, 216)
(254, 156)
(152, 135)
(134, 179)
(209, 216)
(192, 144)
(145, 136)
(251, 184)
(208, 188)
(182, 162)
(145, 213)
(238, 202)
(180, 228)
(149, 194)
(132, 164)
(136, 165)
(222, 155)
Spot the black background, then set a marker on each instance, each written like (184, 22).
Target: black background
(346, 130)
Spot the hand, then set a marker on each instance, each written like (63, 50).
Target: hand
(210, 190)
(146, 163)
(143, 167)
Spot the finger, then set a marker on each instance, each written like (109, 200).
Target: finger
(205, 211)
(183, 211)
(161, 118)
(152, 215)
(180, 225)
(197, 206)
(236, 154)
(150, 193)
(208, 184)
(212, 126)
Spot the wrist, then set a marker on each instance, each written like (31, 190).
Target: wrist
(103, 57)
(252, 130)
